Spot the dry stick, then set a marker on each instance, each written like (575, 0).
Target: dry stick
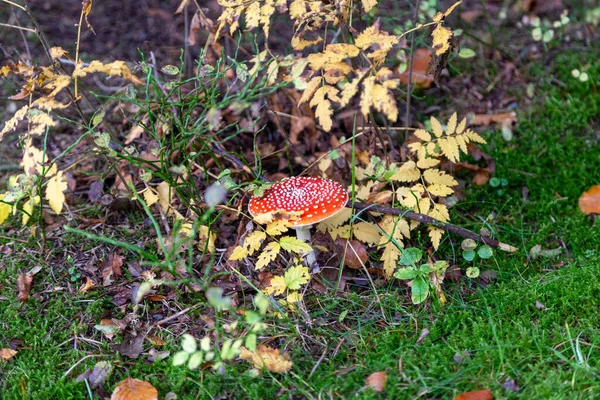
(426, 219)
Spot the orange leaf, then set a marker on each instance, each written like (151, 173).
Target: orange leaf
(476, 395)
(7, 354)
(589, 202)
(420, 71)
(24, 285)
(376, 381)
(134, 389)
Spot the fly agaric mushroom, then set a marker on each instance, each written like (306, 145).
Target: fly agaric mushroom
(317, 199)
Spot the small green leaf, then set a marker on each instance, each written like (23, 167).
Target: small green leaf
(215, 297)
(98, 117)
(420, 290)
(170, 70)
(250, 342)
(188, 343)
(180, 358)
(472, 272)
(241, 71)
(342, 315)
(469, 255)
(410, 256)
(494, 182)
(466, 53)
(406, 273)
(262, 303)
(485, 252)
(548, 36)
(195, 360)
(205, 343)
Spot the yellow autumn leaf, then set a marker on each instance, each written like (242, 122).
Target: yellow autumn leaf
(4, 209)
(436, 176)
(390, 259)
(474, 137)
(449, 147)
(366, 233)
(451, 124)
(254, 240)
(238, 253)
(461, 126)
(441, 39)
(164, 196)
(439, 190)
(116, 68)
(277, 286)
(409, 197)
(54, 192)
(439, 212)
(150, 196)
(343, 231)
(368, 5)
(435, 234)
(423, 135)
(206, 239)
(296, 276)
(323, 112)
(311, 88)
(427, 162)
(27, 209)
(294, 245)
(265, 357)
(407, 172)
(11, 124)
(384, 102)
(436, 127)
(335, 221)
(268, 254)
(278, 226)
(366, 99)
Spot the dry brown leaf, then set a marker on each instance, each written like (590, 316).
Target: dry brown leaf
(355, 253)
(485, 394)
(420, 70)
(269, 358)
(377, 381)
(24, 286)
(89, 284)
(112, 268)
(134, 389)
(7, 354)
(505, 119)
(589, 202)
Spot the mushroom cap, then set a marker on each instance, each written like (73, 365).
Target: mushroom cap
(318, 198)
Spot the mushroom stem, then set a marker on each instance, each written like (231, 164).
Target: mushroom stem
(303, 233)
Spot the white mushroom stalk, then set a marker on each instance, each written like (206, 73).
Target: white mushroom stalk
(316, 198)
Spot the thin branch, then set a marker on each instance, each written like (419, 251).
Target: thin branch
(426, 219)
(409, 87)
(18, 27)
(14, 4)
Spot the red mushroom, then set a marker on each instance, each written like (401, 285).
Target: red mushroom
(317, 199)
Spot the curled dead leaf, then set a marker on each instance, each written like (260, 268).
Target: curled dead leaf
(24, 286)
(377, 381)
(7, 354)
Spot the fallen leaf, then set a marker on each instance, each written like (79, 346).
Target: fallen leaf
(131, 346)
(134, 389)
(504, 119)
(355, 253)
(89, 284)
(377, 381)
(112, 268)
(540, 306)
(269, 358)
(24, 286)
(589, 202)
(100, 373)
(7, 354)
(485, 394)
(420, 72)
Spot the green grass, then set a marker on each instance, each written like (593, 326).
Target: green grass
(552, 353)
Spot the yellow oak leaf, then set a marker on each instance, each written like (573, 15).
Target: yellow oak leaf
(294, 245)
(54, 192)
(366, 233)
(268, 254)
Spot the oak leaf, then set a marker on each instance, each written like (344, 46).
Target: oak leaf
(134, 389)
